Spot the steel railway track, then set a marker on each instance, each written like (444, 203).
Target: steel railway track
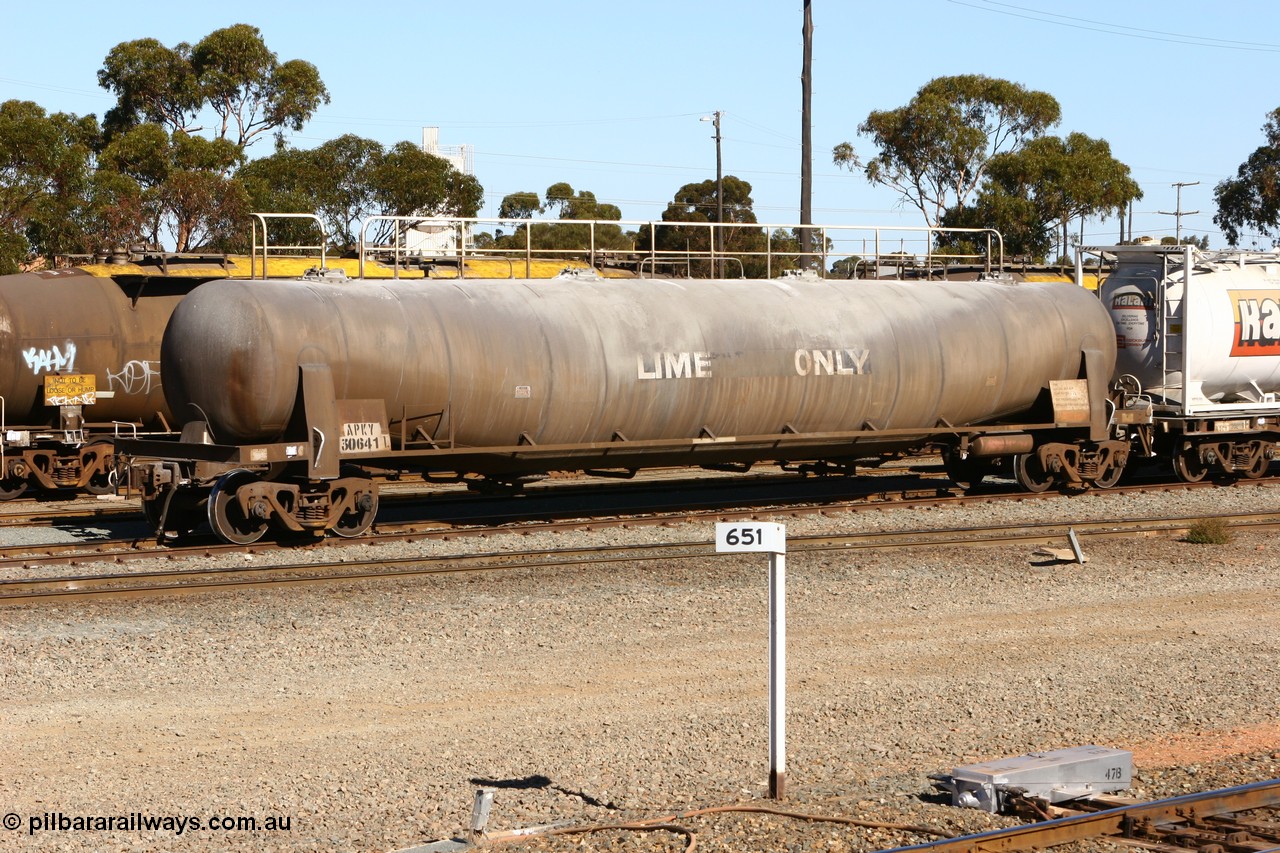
(37, 590)
(1210, 821)
(548, 515)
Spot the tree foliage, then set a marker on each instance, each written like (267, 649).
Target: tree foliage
(1252, 197)
(698, 205)
(410, 181)
(520, 205)
(578, 205)
(784, 248)
(1201, 242)
(849, 267)
(350, 178)
(249, 88)
(1022, 226)
(183, 186)
(1070, 178)
(45, 169)
(1044, 186)
(934, 151)
(231, 71)
(115, 212)
(171, 182)
(14, 250)
(152, 83)
(569, 238)
(150, 176)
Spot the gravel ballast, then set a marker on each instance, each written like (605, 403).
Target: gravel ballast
(368, 714)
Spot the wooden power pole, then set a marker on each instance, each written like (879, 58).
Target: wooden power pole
(806, 142)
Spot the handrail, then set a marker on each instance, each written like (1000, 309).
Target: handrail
(398, 248)
(833, 242)
(654, 260)
(261, 219)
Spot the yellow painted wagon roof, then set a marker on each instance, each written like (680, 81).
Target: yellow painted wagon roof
(239, 266)
(1090, 279)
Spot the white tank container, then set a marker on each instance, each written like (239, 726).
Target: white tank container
(1210, 346)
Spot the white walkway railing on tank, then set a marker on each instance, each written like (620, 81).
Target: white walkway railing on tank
(648, 247)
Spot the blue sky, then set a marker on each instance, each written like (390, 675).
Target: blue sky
(607, 96)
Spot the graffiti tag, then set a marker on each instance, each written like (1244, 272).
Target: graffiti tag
(136, 377)
(50, 360)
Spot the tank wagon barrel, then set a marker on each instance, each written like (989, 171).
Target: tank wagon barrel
(574, 362)
(79, 360)
(1198, 363)
(291, 383)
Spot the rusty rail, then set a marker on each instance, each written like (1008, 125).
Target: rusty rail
(34, 590)
(1139, 823)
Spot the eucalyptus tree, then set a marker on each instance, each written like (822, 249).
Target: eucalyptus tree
(1252, 198)
(1043, 187)
(250, 89)
(520, 205)
(935, 150)
(230, 72)
(45, 171)
(571, 238)
(152, 84)
(347, 179)
(1069, 179)
(698, 204)
(183, 185)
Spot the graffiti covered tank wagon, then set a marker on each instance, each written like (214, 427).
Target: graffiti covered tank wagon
(79, 364)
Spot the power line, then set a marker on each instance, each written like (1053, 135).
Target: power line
(67, 90)
(328, 118)
(1117, 29)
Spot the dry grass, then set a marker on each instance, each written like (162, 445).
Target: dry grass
(1209, 531)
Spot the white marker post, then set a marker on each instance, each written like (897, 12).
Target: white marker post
(771, 538)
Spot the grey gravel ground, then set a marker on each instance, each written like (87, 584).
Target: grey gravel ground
(367, 715)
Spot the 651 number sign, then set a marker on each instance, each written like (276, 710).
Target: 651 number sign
(751, 536)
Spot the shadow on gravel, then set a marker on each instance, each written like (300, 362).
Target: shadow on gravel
(937, 798)
(525, 784)
(539, 781)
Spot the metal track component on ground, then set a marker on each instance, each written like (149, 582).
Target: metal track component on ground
(1162, 824)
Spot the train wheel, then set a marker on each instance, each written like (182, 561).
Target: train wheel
(225, 515)
(102, 483)
(1188, 465)
(12, 487)
(1110, 478)
(1259, 467)
(356, 521)
(1029, 471)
